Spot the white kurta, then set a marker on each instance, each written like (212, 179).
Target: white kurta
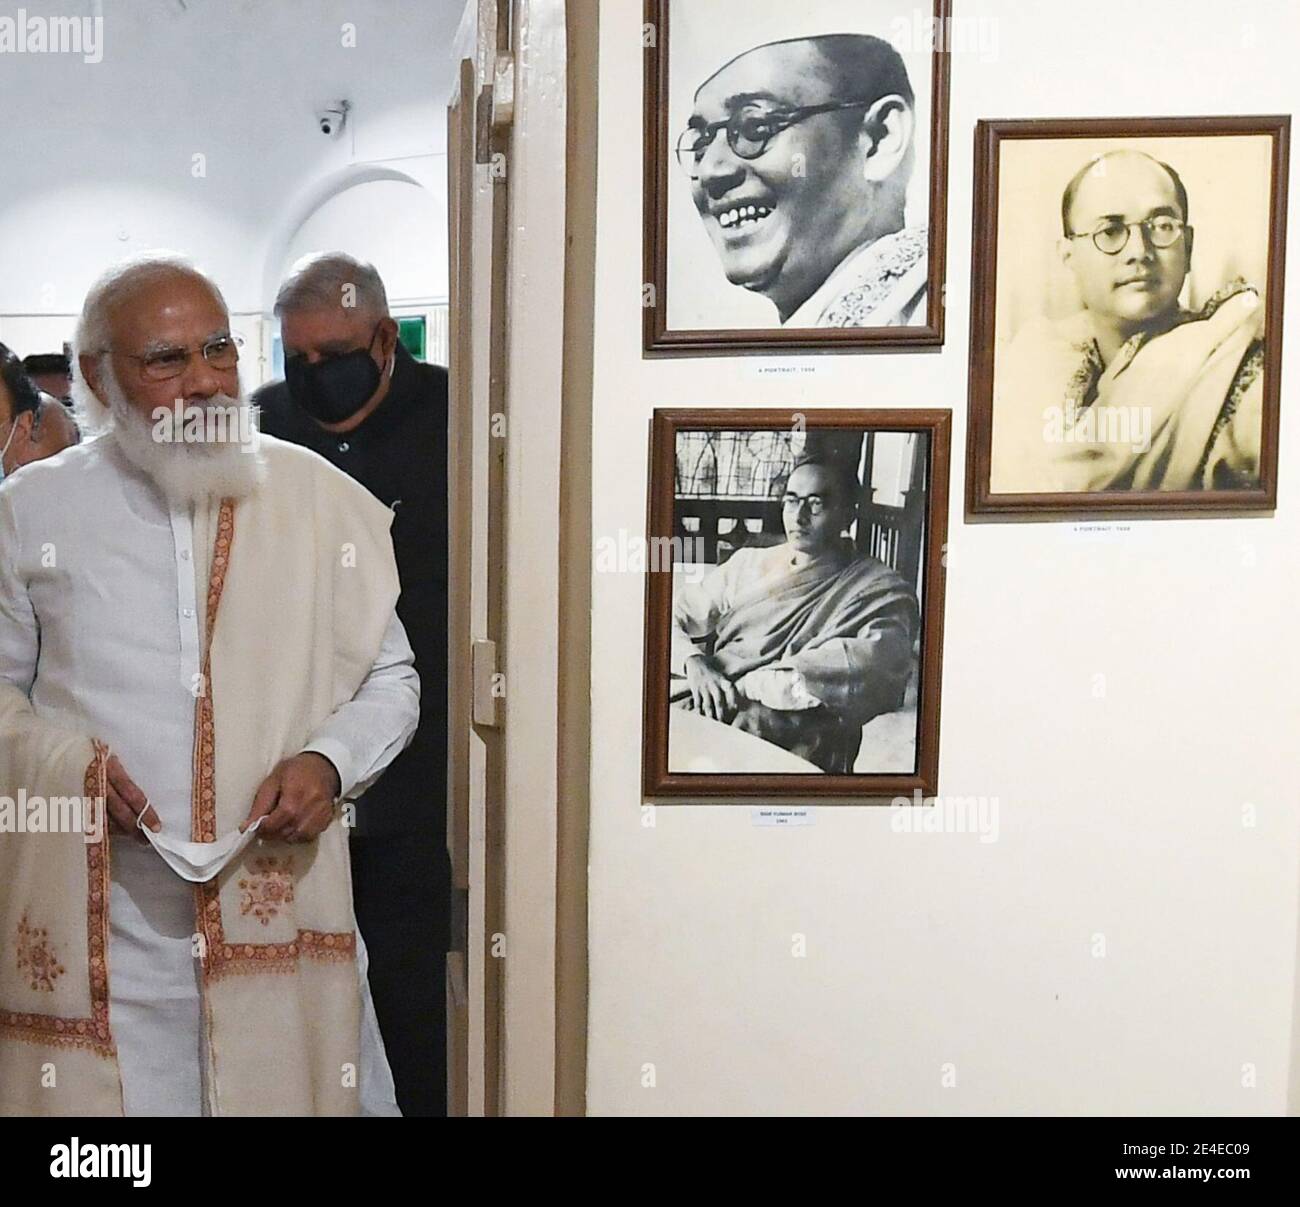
(99, 624)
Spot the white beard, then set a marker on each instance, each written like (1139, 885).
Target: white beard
(189, 462)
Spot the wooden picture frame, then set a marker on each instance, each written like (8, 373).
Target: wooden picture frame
(1130, 485)
(659, 336)
(917, 559)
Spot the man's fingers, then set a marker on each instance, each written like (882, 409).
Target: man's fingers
(120, 815)
(311, 824)
(297, 816)
(321, 815)
(123, 818)
(277, 821)
(721, 697)
(715, 702)
(288, 813)
(264, 803)
(129, 793)
(702, 703)
(291, 821)
(295, 800)
(123, 784)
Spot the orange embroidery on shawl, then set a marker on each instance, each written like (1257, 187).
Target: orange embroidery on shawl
(36, 958)
(268, 888)
(222, 958)
(92, 1032)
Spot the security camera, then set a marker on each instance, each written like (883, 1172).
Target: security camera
(330, 121)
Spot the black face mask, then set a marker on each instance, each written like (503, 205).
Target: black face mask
(333, 390)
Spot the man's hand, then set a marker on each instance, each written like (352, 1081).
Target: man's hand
(297, 799)
(712, 693)
(126, 802)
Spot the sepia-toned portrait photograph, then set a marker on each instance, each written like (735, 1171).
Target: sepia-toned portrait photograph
(1127, 297)
(795, 170)
(795, 602)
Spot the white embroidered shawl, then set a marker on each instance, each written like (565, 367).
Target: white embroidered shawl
(275, 931)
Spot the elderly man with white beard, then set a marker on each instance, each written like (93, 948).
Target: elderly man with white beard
(197, 627)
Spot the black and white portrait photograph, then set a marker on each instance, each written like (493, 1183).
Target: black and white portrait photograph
(795, 167)
(795, 603)
(1127, 298)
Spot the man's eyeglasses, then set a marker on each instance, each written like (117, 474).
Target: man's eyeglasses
(816, 503)
(163, 364)
(748, 133)
(1111, 238)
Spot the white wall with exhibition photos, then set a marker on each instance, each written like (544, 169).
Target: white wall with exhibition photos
(1119, 935)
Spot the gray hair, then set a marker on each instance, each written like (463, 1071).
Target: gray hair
(92, 334)
(325, 280)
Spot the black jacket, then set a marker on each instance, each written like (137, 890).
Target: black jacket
(399, 453)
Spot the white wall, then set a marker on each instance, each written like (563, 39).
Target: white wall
(104, 155)
(1119, 815)
(408, 245)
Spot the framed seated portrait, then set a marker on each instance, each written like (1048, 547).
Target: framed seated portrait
(795, 584)
(1126, 328)
(795, 174)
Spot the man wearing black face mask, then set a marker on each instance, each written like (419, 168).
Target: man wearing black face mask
(353, 394)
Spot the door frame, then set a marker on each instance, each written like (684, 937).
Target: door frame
(521, 554)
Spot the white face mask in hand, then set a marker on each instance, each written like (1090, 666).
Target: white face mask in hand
(198, 862)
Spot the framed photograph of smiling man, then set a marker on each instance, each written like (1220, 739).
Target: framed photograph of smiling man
(795, 603)
(795, 173)
(1126, 334)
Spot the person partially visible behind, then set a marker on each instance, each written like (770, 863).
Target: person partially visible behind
(52, 373)
(357, 397)
(33, 426)
(799, 155)
(1133, 392)
(810, 639)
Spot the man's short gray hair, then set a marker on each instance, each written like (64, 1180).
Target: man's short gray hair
(326, 280)
(92, 334)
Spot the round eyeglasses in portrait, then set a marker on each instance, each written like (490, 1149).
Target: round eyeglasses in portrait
(1111, 237)
(749, 131)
